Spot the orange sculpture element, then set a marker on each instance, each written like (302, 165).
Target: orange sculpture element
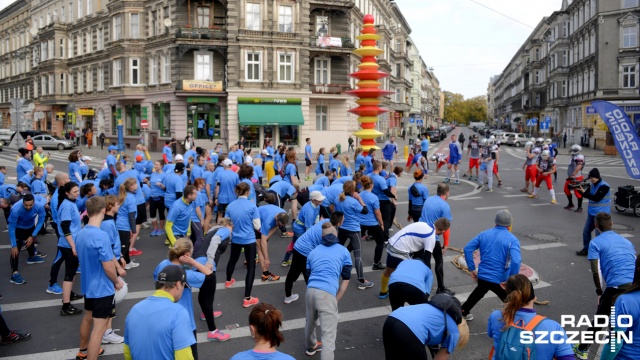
(368, 92)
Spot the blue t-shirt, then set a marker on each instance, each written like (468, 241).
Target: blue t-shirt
(320, 166)
(157, 327)
(379, 186)
(352, 216)
(242, 212)
(289, 171)
(543, 351)
(616, 256)
(180, 215)
(326, 263)
(368, 164)
(310, 239)
(372, 203)
(359, 161)
(195, 279)
(392, 180)
(1, 179)
(23, 167)
(434, 208)
(283, 188)
(270, 152)
(68, 211)
(343, 179)
(389, 149)
(109, 226)
(413, 272)
(227, 180)
(322, 181)
(74, 172)
(172, 183)
(157, 191)
(307, 216)
(334, 164)
(197, 172)
(307, 152)
(268, 217)
(166, 150)
(252, 190)
(345, 171)
(629, 304)
(420, 199)
(38, 187)
(129, 206)
(200, 202)
(331, 194)
(424, 145)
(53, 205)
(104, 174)
(201, 124)
(426, 322)
(499, 254)
(94, 249)
(254, 355)
(455, 152)
(21, 218)
(257, 172)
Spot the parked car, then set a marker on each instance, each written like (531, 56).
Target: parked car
(503, 137)
(443, 134)
(434, 135)
(48, 141)
(5, 136)
(517, 139)
(26, 133)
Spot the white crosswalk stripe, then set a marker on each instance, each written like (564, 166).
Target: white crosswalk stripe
(564, 159)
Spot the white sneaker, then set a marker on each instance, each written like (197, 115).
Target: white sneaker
(111, 337)
(290, 299)
(145, 226)
(131, 265)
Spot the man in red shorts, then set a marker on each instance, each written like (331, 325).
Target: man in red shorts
(574, 173)
(473, 153)
(546, 166)
(529, 166)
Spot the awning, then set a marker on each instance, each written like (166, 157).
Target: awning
(268, 114)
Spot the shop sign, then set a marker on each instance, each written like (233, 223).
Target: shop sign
(60, 116)
(71, 118)
(86, 112)
(199, 85)
(203, 100)
(271, 101)
(632, 108)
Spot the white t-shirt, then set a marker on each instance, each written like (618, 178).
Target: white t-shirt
(413, 238)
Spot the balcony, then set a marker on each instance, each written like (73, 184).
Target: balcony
(217, 32)
(329, 88)
(330, 44)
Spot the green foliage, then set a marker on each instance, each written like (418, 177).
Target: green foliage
(464, 111)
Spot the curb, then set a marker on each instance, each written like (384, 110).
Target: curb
(525, 270)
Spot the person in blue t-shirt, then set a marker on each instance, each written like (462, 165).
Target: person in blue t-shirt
(390, 151)
(178, 223)
(327, 264)
(99, 280)
(334, 164)
(3, 172)
(424, 147)
(628, 303)
(519, 310)
(173, 185)
(613, 261)
(320, 166)
(126, 219)
(418, 194)
(345, 168)
(199, 214)
(265, 322)
(307, 216)
(24, 165)
(372, 222)
(156, 202)
(358, 160)
(23, 230)
(225, 187)
(307, 159)
(455, 156)
(368, 161)
(246, 218)
(167, 154)
(290, 168)
(272, 217)
(410, 283)
(158, 327)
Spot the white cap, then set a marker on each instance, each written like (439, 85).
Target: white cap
(178, 158)
(316, 195)
(265, 152)
(86, 158)
(227, 162)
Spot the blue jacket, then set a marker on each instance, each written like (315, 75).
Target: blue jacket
(499, 254)
(22, 218)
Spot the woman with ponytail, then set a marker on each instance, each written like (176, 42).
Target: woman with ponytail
(345, 168)
(264, 323)
(518, 311)
(126, 219)
(372, 222)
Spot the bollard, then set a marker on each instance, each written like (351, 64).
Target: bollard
(406, 152)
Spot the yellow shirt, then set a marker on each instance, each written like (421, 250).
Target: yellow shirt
(40, 160)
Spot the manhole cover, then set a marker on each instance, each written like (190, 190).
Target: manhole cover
(544, 237)
(622, 227)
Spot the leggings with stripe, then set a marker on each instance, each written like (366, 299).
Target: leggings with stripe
(355, 245)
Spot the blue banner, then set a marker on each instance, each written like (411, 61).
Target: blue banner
(624, 135)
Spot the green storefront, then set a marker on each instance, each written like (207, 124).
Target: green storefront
(278, 119)
(205, 111)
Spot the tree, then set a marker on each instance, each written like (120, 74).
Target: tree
(453, 107)
(461, 111)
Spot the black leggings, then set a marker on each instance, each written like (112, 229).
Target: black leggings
(250, 257)
(70, 265)
(298, 266)
(221, 249)
(205, 299)
(439, 267)
(400, 293)
(400, 342)
(604, 308)
(480, 291)
(194, 346)
(415, 213)
(157, 205)
(355, 245)
(4, 329)
(378, 235)
(388, 211)
(21, 237)
(125, 238)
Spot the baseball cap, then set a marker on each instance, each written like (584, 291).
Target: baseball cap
(179, 167)
(178, 158)
(112, 147)
(173, 273)
(86, 158)
(227, 162)
(316, 195)
(265, 152)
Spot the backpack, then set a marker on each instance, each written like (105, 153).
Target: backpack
(510, 347)
(414, 191)
(448, 305)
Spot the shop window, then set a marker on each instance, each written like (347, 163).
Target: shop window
(162, 119)
(289, 134)
(132, 119)
(251, 135)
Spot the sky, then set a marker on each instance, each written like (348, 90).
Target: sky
(467, 43)
(464, 42)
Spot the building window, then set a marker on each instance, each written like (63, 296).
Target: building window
(627, 4)
(398, 95)
(165, 14)
(537, 77)
(203, 65)
(135, 25)
(89, 39)
(153, 71)
(564, 88)
(203, 16)
(630, 36)
(61, 53)
(100, 39)
(79, 44)
(537, 57)
(51, 84)
(62, 18)
(285, 67)
(154, 24)
(134, 71)
(71, 12)
(100, 79)
(89, 7)
(253, 66)
(132, 119)
(629, 76)
(80, 81)
(285, 19)
(43, 84)
(80, 12)
(71, 86)
(253, 16)
(44, 50)
(117, 27)
(89, 80)
(398, 71)
(117, 72)
(166, 69)
(323, 71)
(162, 119)
(592, 79)
(322, 114)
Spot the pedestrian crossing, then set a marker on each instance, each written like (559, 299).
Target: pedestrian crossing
(564, 159)
(58, 159)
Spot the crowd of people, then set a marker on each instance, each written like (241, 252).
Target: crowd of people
(204, 202)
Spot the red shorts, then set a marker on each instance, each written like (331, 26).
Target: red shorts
(495, 168)
(567, 191)
(440, 163)
(531, 173)
(545, 178)
(409, 160)
(474, 163)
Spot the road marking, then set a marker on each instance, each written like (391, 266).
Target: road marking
(242, 332)
(2, 247)
(626, 235)
(491, 208)
(468, 198)
(543, 246)
(513, 196)
(545, 204)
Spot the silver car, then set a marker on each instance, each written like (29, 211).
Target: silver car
(52, 142)
(517, 140)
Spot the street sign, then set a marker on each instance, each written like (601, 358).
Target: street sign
(591, 110)
(144, 123)
(419, 122)
(532, 122)
(545, 125)
(411, 120)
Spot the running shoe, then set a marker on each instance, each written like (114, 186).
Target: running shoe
(135, 252)
(499, 183)
(524, 190)
(216, 314)
(270, 277)
(131, 265)
(479, 187)
(378, 266)
(464, 175)
(228, 284)
(582, 252)
(569, 207)
(166, 242)
(217, 335)
(17, 279)
(287, 234)
(15, 336)
(42, 254)
(578, 210)
(489, 190)
(145, 226)
(160, 232)
(154, 233)
(290, 299)
(396, 223)
(532, 196)
(250, 302)
(70, 311)
(580, 354)
(35, 259)
(553, 201)
(312, 351)
(447, 180)
(365, 285)
(82, 355)
(457, 182)
(75, 296)
(54, 289)
(468, 317)
(286, 263)
(110, 337)
(383, 295)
